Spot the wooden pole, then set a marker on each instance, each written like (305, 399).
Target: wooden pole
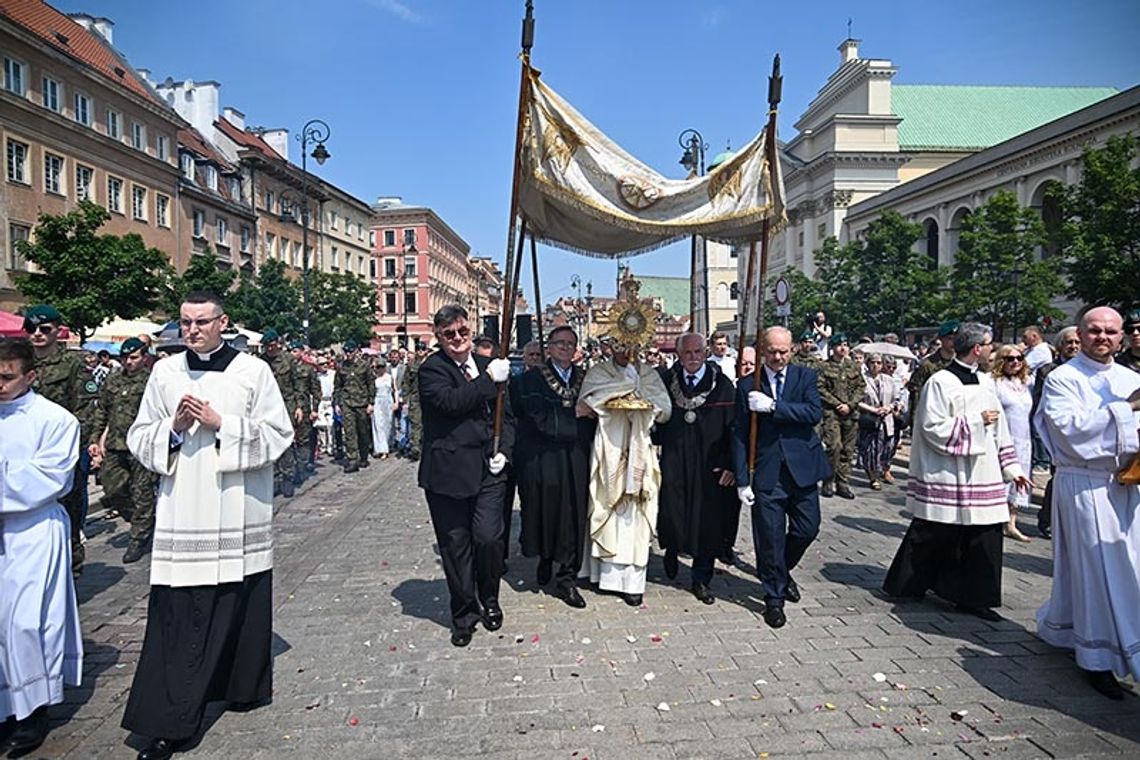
(537, 296)
(775, 85)
(694, 295)
(516, 177)
(747, 296)
(512, 282)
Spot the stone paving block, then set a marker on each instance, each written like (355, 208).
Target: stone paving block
(1014, 748)
(777, 743)
(1083, 744)
(709, 748)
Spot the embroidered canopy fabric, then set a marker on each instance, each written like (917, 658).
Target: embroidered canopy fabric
(580, 190)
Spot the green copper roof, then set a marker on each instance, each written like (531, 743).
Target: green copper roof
(721, 158)
(673, 292)
(957, 117)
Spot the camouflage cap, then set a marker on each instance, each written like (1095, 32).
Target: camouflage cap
(130, 345)
(949, 327)
(41, 314)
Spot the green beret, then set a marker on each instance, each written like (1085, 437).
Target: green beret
(351, 345)
(838, 338)
(421, 346)
(270, 336)
(41, 314)
(949, 327)
(296, 343)
(807, 335)
(130, 345)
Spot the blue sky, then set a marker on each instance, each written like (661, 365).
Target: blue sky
(421, 95)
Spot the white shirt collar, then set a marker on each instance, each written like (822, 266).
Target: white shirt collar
(972, 368)
(469, 365)
(772, 375)
(698, 375)
(563, 373)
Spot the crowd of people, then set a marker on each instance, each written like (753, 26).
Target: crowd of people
(607, 448)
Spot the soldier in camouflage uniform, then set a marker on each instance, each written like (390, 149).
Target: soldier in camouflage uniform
(127, 485)
(284, 369)
(310, 385)
(60, 377)
(806, 355)
(1130, 356)
(940, 359)
(410, 393)
(353, 392)
(840, 388)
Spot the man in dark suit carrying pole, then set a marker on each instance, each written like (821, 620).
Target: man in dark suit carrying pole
(782, 488)
(461, 475)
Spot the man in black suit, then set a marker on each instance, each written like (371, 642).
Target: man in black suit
(783, 488)
(462, 476)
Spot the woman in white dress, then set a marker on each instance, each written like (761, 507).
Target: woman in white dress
(382, 408)
(1011, 376)
(324, 423)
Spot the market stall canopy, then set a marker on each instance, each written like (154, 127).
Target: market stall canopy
(12, 326)
(581, 191)
(887, 349)
(118, 330)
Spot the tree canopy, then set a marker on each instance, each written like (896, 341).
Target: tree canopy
(202, 273)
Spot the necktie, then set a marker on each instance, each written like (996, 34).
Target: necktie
(692, 382)
(779, 385)
(468, 375)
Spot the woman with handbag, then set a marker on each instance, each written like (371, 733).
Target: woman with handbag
(877, 411)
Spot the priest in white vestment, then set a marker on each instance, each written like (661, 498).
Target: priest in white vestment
(1088, 421)
(960, 460)
(625, 476)
(212, 422)
(41, 649)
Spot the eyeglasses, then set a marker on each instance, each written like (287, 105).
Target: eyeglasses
(1012, 359)
(1131, 329)
(462, 332)
(186, 324)
(44, 329)
(563, 344)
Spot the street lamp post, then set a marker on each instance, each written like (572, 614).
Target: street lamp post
(576, 283)
(693, 159)
(409, 250)
(316, 131)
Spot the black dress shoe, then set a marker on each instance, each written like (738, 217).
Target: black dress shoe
(573, 598)
(352, 468)
(728, 558)
(1105, 682)
(492, 616)
(792, 592)
(287, 489)
(29, 734)
(827, 491)
(701, 591)
(6, 729)
(985, 613)
(845, 491)
(545, 572)
(775, 617)
(633, 600)
(160, 749)
(364, 462)
(671, 564)
(460, 637)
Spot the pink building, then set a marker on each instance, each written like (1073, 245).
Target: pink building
(421, 265)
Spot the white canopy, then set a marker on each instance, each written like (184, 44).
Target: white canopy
(118, 330)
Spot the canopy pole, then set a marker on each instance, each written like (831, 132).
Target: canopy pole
(511, 283)
(537, 297)
(516, 172)
(775, 85)
(749, 282)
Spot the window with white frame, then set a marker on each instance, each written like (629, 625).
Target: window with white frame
(389, 267)
(270, 245)
(234, 187)
(138, 136)
(362, 267)
(53, 174)
(82, 109)
(114, 125)
(51, 91)
(371, 238)
(410, 267)
(199, 223)
(83, 178)
(162, 147)
(334, 219)
(335, 258)
(389, 238)
(15, 76)
(18, 163)
(269, 200)
(138, 202)
(115, 195)
(162, 210)
(221, 232)
(409, 237)
(211, 177)
(389, 303)
(410, 302)
(187, 162)
(372, 268)
(245, 237)
(17, 233)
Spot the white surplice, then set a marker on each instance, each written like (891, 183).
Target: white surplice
(1090, 431)
(213, 519)
(40, 645)
(625, 476)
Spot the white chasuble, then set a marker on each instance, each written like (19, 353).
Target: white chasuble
(1090, 430)
(625, 476)
(213, 520)
(40, 645)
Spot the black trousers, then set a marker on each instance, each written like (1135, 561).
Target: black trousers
(202, 644)
(731, 526)
(508, 509)
(960, 563)
(470, 536)
(785, 521)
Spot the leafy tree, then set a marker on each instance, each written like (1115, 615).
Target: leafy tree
(202, 273)
(1100, 235)
(90, 277)
(341, 307)
(997, 276)
(268, 299)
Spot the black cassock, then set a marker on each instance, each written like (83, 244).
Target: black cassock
(554, 472)
(693, 505)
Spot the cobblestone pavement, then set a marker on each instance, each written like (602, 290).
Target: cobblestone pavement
(364, 668)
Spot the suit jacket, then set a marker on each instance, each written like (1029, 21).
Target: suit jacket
(786, 436)
(458, 427)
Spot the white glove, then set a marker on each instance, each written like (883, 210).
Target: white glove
(747, 498)
(499, 461)
(499, 370)
(760, 402)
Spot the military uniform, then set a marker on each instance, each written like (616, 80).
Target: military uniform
(840, 382)
(410, 395)
(127, 485)
(353, 391)
(284, 368)
(309, 388)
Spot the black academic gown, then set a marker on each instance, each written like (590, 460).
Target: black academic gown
(693, 505)
(554, 476)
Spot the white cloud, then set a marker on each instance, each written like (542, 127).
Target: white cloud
(398, 9)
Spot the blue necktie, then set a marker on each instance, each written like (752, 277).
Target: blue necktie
(692, 383)
(779, 385)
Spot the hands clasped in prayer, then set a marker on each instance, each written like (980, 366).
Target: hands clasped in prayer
(192, 409)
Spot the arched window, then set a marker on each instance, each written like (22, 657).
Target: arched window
(930, 229)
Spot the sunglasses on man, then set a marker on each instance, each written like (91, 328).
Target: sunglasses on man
(45, 329)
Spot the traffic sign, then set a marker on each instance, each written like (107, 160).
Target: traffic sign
(783, 292)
